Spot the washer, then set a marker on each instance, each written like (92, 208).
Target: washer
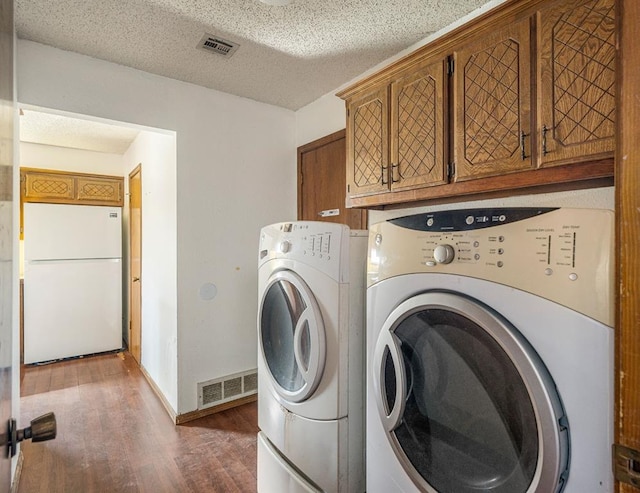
(490, 352)
(311, 283)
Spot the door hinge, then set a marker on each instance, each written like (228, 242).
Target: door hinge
(626, 465)
(450, 65)
(348, 188)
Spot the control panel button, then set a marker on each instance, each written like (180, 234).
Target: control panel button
(469, 220)
(285, 246)
(548, 271)
(444, 254)
(573, 276)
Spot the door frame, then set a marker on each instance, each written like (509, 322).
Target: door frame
(627, 184)
(137, 353)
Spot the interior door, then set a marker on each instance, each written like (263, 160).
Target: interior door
(322, 183)
(465, 401)
(135, 263)
(7, 277)
(292, 337)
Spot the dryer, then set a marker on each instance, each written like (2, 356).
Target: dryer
(311, 283)
(490, 352)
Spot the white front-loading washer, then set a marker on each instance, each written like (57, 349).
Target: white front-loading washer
(311, 290)
(490, 352)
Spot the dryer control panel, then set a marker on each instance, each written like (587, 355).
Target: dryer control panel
(565, 255)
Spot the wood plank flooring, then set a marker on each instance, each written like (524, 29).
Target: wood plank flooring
(115, 436)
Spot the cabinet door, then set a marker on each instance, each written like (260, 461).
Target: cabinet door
(492, 101)
(417, 137)
(368, 144)
(577, 81)
(47, 186)
(97, 190)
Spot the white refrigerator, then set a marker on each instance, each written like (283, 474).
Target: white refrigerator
(72, 280)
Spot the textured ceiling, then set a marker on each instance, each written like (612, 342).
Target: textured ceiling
(288, 55)
(62, 131)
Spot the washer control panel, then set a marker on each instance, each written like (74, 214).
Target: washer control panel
(560, 254)
(321, 245)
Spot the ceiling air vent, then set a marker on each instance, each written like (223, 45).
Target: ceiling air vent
(217, 45)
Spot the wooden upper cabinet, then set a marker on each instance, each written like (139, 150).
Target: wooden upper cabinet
(527, 104)
(417, 127)
(62, 187)
(576, 61)
(368, 144)
(395, 134)
(492, 103)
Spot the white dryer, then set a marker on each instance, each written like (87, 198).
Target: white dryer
(490, 352)
(311, 283)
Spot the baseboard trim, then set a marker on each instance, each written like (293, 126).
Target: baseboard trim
(160, 395)
(15, 484)
(201, 413)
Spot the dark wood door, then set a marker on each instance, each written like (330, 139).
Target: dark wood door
(7, 205)
(322, 183)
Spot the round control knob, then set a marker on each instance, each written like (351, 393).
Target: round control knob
(285, 246)
(443, 254)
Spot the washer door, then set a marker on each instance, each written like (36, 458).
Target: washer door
(466, 402)
(292, 336)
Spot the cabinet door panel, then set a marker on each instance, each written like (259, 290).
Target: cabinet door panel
(43, 186)
(492, 99)
(102, 190)
(368, 144)
(417, 137)
(577, 81)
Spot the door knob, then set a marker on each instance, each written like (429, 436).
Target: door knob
(42, 428)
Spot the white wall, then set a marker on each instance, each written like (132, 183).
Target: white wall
(236, 171)
(67, 159)
(156, 153)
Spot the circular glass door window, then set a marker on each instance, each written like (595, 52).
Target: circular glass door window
(292, 338)
(466, 402)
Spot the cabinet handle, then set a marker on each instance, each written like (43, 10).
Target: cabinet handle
(394, 167)
(544, 140)
(383, 170)
(522, 153)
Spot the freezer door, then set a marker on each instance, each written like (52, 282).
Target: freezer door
(71, 308)
(62, 231)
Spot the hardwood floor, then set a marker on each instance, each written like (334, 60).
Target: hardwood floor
(115, 436)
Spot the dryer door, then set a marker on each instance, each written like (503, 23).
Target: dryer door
(466, 402)
(292, 337)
